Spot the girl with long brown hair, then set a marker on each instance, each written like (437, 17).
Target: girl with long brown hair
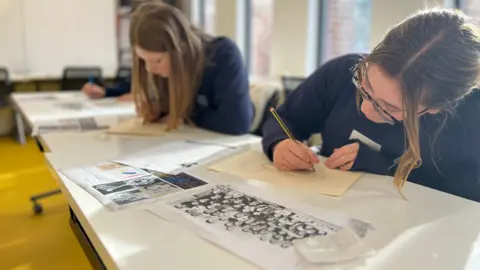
(409, 109)
(180, 74)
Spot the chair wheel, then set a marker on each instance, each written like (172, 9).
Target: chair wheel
(37, 209)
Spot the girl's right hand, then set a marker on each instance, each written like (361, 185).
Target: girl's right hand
(289, 155)
(93, 91)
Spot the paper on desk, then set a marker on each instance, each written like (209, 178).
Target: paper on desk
(254, 165)
(136, 127)
(69, 124)
(255, 224)
(173, 156)
(227, 141)
(144, 177)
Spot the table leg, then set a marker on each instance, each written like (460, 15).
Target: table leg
(85, 243)
(20, 127)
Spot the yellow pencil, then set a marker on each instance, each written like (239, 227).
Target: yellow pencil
(284, 127)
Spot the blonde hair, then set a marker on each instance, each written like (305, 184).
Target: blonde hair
(159, 27)
(435, 55)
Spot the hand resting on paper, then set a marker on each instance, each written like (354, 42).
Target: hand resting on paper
(165, 119)
(290, 155)
(93, 91)
(343, 157)
(125, 97)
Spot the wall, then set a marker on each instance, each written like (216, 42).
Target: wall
(40, 38)
(226, 16)
(289, 37)
(384, 16)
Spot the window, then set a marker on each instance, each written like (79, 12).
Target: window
(471, 7)
(209, 20)
(260, 37)
(345, 28)
(123, 42)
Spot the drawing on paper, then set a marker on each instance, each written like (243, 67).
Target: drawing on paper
(252, 166)
(248, 216)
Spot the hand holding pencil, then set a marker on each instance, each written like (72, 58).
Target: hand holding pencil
(290, 154)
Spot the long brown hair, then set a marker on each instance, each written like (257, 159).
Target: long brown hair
(435, 55)
(159, 27)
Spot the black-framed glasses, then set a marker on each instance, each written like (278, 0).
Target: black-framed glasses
(359, 73)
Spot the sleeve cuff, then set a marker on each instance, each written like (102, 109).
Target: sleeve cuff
(269, 149)
(372, 161)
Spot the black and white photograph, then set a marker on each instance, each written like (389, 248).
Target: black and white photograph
(159, 189)
(112, 187)
(184, 181)
(143, 181)
(248, 216)
(88, 123)
(129, 197)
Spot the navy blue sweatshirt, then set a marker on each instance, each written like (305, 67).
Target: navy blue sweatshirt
(326, 103)
(223, 101)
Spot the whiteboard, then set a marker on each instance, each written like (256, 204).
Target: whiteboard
(44, 37)
(12, 43)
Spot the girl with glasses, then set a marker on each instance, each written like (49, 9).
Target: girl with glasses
(409, 109)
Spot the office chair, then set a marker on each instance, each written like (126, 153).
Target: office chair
(263, 98)
(123, 74)
(6, 87)
(75, 77)
(290, 83)
(37, 207)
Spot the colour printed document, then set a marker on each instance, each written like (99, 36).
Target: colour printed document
(143, 177)
(260, 226)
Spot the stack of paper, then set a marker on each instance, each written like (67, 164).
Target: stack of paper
(254, 165)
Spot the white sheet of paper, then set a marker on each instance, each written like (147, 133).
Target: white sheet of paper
(254, 165)
(254, 224)
(172, 156)
(229, 141)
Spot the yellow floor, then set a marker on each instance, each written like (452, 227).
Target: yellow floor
(29, 242)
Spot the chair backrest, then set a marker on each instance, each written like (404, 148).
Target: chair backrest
(263, 97)
(123, 74)
(75, 77)
(5, 87)
(290, 83)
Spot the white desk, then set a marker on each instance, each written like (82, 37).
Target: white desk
(48, 107)
(432, 230)
(42, 76)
